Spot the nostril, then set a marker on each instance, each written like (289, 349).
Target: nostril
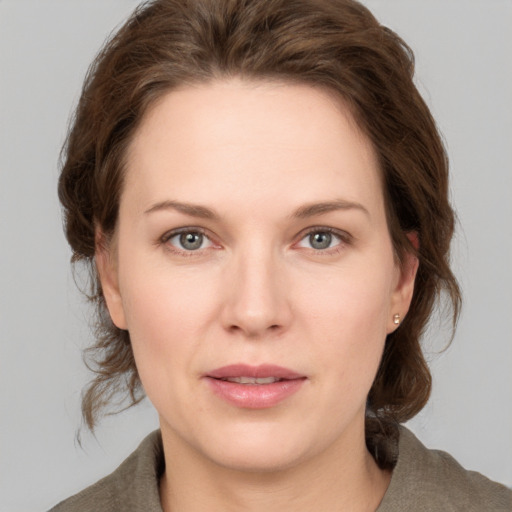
(234, 328)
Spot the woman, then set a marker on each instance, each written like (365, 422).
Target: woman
(262, 195)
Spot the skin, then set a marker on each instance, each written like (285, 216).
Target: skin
(258, 290)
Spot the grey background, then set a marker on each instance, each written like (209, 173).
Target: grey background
(464, 71)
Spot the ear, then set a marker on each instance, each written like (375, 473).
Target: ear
(106, 264)
(402, 294)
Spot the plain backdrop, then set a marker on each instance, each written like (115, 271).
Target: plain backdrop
(464, 70)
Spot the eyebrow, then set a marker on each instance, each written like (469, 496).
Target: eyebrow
(194, 210)
(303, 212)
(310, 210)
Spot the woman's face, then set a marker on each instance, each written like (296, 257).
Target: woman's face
(254, 271)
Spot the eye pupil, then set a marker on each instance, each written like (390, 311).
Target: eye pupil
(191, 241)
(320, 240)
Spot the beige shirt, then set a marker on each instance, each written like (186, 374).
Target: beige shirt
(423, 481)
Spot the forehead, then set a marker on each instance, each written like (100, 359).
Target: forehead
(224, 139)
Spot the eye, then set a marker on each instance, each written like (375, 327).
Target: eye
(190, 240)
(321, 239)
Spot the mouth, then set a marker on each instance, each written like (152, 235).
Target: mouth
(251, 381)
(253, 374)
(254, 387)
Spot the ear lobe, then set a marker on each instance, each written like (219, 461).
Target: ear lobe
(403, 292)
(107, 271)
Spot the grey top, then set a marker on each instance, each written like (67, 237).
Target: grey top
(423, 481)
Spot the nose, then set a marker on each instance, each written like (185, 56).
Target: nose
(256, 301)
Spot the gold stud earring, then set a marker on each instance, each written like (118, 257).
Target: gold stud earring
(396, 319)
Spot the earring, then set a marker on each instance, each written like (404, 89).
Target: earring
(396, 319)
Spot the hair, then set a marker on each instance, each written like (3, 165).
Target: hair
(334, 44)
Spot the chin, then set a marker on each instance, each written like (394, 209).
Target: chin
(262, 448)
(256, 457)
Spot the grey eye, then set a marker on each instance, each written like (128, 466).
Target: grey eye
(188, 241)
(191, 241)
(320, 240)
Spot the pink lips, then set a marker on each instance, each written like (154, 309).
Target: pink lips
(254, 395)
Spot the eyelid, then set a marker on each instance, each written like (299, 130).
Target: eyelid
(178, 231)
(168, 235)
(344, 237)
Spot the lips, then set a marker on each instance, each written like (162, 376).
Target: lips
(262, 371)
(252, 380)
(254, 387)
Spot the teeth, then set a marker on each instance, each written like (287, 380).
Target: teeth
(252, 380)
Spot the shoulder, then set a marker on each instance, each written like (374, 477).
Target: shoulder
(132, 486)
(431, 480)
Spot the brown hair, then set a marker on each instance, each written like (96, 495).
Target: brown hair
(334, 44)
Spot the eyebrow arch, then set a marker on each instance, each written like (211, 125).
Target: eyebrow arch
(310, 210)
(303, 212)
(188, 209)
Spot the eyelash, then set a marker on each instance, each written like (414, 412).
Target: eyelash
(164, 240)
(343, 237)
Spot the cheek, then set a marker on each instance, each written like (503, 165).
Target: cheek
(166, 313)
(164, 333)
(346, 319)
(349, 300)
(162, 299)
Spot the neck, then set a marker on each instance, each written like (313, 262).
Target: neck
(344, 477)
